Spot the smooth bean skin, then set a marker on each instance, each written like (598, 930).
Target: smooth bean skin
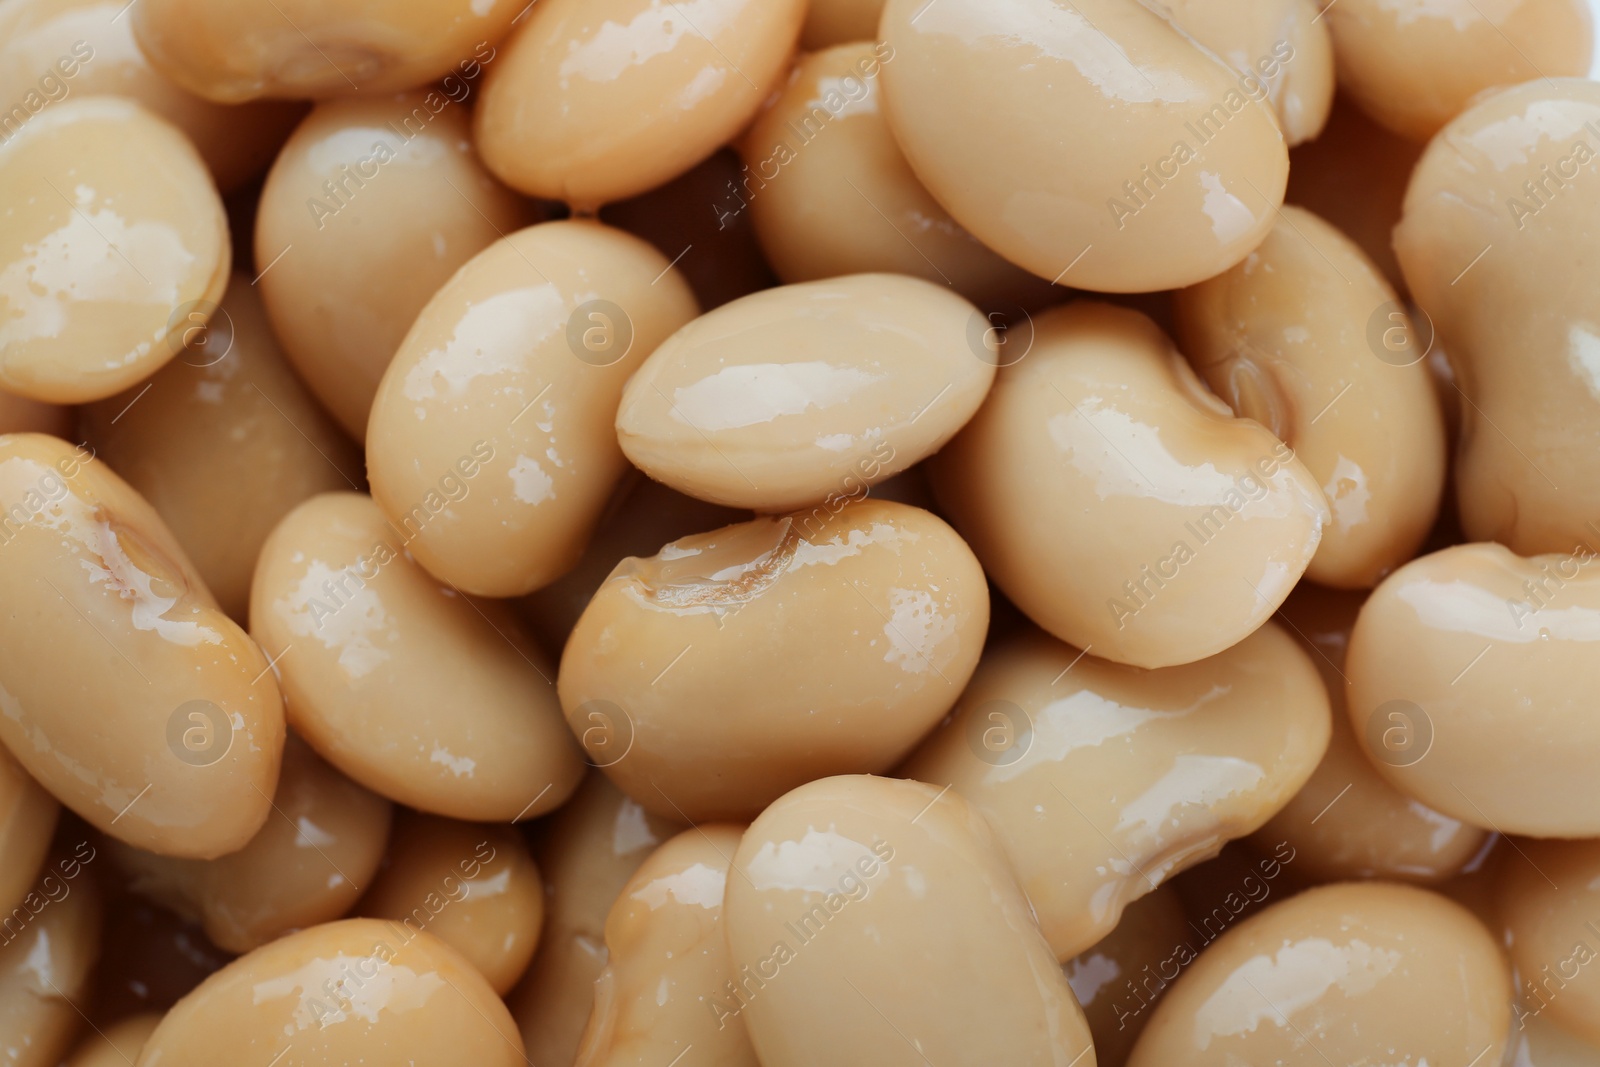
(116, 1046)
(668, 961)
(1284, 43)
(491, 445)
(1414, 65)
(405, 685)
(1537, 1042)
(28, 817)
(308, 864)
(345, 992)
(91, 51)
(473, 886)
(1347, 822)
(1348, 971)
(79, 318)
(1119, 504)
(830, 192)
(1189, 165)
(1110, 979)
(223, 441)
(308, 49)
(1515, 750)
(371, 206)
(790, 396)
(103, 609)
(589, 850)
(834, 22)
(1549, 908)
(45, 974)
(1286, 338)
(1103, 780)
(732, 666)
(600, 100)
(856, 876)
(1520, 323)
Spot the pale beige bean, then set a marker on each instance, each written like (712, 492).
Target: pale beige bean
(1307, 338)
(668, 961)
(1470, 672)
(844, 883)
(317, 852)
(787, 397)
(589, 850)
(1116, 979)
(415, 691)
(678, 684)
(600, 100)
(111, 235)
(1549, 908)
(310, 48)
(993, 103)
(346, 992)
(491, 447)
(1121, 505)
(472, 886)
(28, 817)
(223, 442)
(1342, 973)
(372, 205)
(45, 969)
(105, 610)
(1348, 822)
(1102, 780)
(1493, 245)
(115, 1046)
(1414, 65)
(51, 50)
(830, 193)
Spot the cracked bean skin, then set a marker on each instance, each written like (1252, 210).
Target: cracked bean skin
(855, 876)
(1285, 338)
(732, 666)
(1119, 504)
(1470, 673)
(1101, 780)
(103, 609)
(1549, 908)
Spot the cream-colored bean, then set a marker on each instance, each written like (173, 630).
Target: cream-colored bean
(1493, 245)
(45, 970)
(589, 850)
(111, 235)
(600, 100)
(834, 22)
(733, 666)
(115, 1046)
(788, 397)
(1414, 65)
(1121, 505)
(641, 517)
(994, 103)
(844, 883)
(473, 886)
(490, 445)
(1343, 974)
(1287, 37)
(414, 690)
(360, 990)
(309, 863)
(1102, 780)
(28, 817)
(1307, 338)
(1470, 673)
(830, 193)
(1536, 1042)
(297, 49)
(1348, 822)
(223, 442)
(1113, 980)
(372, 205)
(668, 961)
(105, 611)
(1549, 907)
(54, 49)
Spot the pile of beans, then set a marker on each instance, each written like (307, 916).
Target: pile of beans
(799, 533)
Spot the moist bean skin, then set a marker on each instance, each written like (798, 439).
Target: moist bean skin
(45, 971)
(28, 817)
(1546, 903)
